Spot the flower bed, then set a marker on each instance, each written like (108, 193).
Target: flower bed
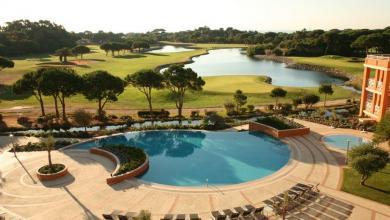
(287, 128)
(278, 123)
(45, 173)
(131, 161)
(130, 158)
(41, 146)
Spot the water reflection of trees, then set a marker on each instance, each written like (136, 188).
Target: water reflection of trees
(170, 143)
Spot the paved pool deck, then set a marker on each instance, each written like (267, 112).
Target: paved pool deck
(84, 193)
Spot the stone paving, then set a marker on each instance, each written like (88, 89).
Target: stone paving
(85, 195)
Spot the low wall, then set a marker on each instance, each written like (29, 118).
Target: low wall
(254, 126)
(117, 179)
(54, 176)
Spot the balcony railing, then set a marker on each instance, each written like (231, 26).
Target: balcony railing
(379, 56)
(368, 106)
(377, 109)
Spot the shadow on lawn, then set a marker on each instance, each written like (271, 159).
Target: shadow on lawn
(7, 94)
(378, 189)
(130, 56)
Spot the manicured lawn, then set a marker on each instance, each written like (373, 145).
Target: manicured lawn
(217, 91)
(377, 187)
(337, 62)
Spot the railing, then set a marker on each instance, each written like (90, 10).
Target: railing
(371, 83)
(379, 56)
(377, 109)
(368, 106)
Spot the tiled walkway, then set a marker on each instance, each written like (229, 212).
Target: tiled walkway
(85, 195)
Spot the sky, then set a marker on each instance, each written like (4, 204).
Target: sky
(176, 15)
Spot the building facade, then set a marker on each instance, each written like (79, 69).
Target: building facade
(375, 97)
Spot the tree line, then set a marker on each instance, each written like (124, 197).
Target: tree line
(102, 87)
(22, 37)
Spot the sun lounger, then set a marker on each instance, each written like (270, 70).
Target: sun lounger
(108, 217)
(250, 207)
(231, 214)
(167, 217)
(218, 216)
(180, 217)
(194, 217)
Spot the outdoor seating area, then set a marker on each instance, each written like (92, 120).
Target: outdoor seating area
(306, 202)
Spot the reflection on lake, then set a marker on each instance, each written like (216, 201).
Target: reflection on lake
(233, 62)
(171, 49)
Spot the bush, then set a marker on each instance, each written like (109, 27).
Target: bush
(162, 114)
(213, 121)
(286, 108)
(112, 117)
(310, 100)
(251, 108)
(195, 114)
(278, 122)
(47, 169)
(243, 110)
(270, 107)
(127, 119)
(277, 51)
(229, 107)
(268, 80)
(367, 159)
(24, 121)
(82, 118)
(40, 146)
(129, 157)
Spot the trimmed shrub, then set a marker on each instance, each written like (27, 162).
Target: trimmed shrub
(279, 123)
(24, 121)
(157, 114)
(129, 157)
(251, 108)
(195, 114)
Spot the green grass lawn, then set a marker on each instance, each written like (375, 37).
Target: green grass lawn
(377, 187)
(217, 91)
(337, 62)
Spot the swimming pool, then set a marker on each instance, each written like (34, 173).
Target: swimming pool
(194, 158)
(341, 140)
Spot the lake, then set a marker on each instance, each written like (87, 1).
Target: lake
(171, 49)
(234, 62)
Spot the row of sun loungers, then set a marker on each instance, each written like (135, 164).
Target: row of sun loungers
(249, 212)
(116, 216)
(305, 202)
(180, 217)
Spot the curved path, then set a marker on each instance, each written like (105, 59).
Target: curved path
(85, 195)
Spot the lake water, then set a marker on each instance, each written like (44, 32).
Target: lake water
(171, 49)
(234, 62)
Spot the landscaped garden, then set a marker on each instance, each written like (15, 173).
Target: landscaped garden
(168, 106)
(377, 187)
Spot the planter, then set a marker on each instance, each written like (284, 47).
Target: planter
(255, 126)
(119, 178)
(52, 176)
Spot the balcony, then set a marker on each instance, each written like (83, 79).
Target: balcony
(379, 56)
(368, 106)
(377, 109)
(374, 86)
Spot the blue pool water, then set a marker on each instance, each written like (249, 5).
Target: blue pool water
(188, 158)
(341, 141)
